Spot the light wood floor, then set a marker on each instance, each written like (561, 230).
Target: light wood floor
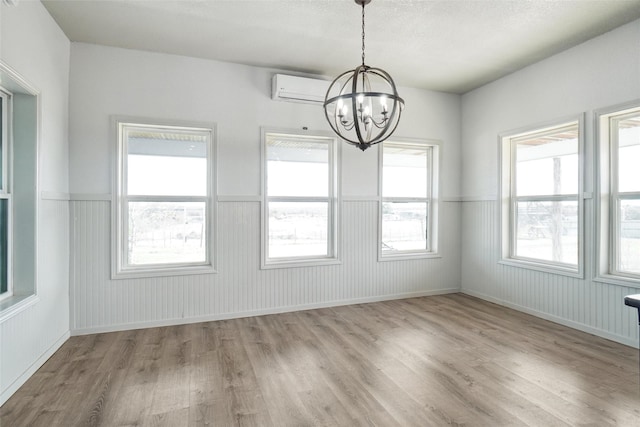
(443, 360)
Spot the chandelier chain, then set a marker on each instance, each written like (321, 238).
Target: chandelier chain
(363, 34)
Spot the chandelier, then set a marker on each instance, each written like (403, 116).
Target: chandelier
(362, 105)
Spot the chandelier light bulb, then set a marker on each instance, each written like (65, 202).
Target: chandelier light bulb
(383, 103)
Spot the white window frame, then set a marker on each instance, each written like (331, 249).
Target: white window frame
(333, 199)
(23, 139)
(608, 196)
(432, 199)
(5, 186)
(508, 199)
(120, 267)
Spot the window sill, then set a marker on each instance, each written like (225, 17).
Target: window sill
(403, 256)
(544, 268)
(16, 304)
(302, 263)
(162, 272)
(610, 279)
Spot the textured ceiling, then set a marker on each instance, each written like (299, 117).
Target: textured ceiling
(451, 46)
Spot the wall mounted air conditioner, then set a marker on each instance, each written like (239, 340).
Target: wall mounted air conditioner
(298, 89)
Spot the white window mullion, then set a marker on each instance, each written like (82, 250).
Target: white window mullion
(285, 199)
(160, 199)
(547, 198)
(629, 195)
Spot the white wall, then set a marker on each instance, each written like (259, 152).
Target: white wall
(109, 81)
(32, 44)
(602, 72)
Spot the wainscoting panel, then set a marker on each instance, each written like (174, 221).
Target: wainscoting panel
(40, 328)
(584, 304)
(241, 288)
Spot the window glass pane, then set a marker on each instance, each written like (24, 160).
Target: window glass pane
(404, 171)
(3, 142)
(629, 154)
(298, 229)
(404, 226)
(629, 250)
(297, 167)
(548, 231)
(4, 245)
(548, 164)
(166, 163)
(167, 232)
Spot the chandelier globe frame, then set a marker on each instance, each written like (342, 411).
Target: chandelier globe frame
(362, 105)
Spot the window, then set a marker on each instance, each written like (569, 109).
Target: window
(409, 199)
(300, 205)
(164, 199)
(19, 193)
(620, 193)
(6, 288)
(542, 208)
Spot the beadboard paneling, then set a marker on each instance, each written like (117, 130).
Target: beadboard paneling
(588, 305)
(38, 330)
(240, 288)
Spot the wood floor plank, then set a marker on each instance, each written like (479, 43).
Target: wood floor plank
(272, 376)
(407, 370)
(302, 361)
(395, 399)
(432, 361)
(245, 397)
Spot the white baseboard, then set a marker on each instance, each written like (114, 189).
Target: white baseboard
(237, 315)
(14, 386)
(555, 319)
